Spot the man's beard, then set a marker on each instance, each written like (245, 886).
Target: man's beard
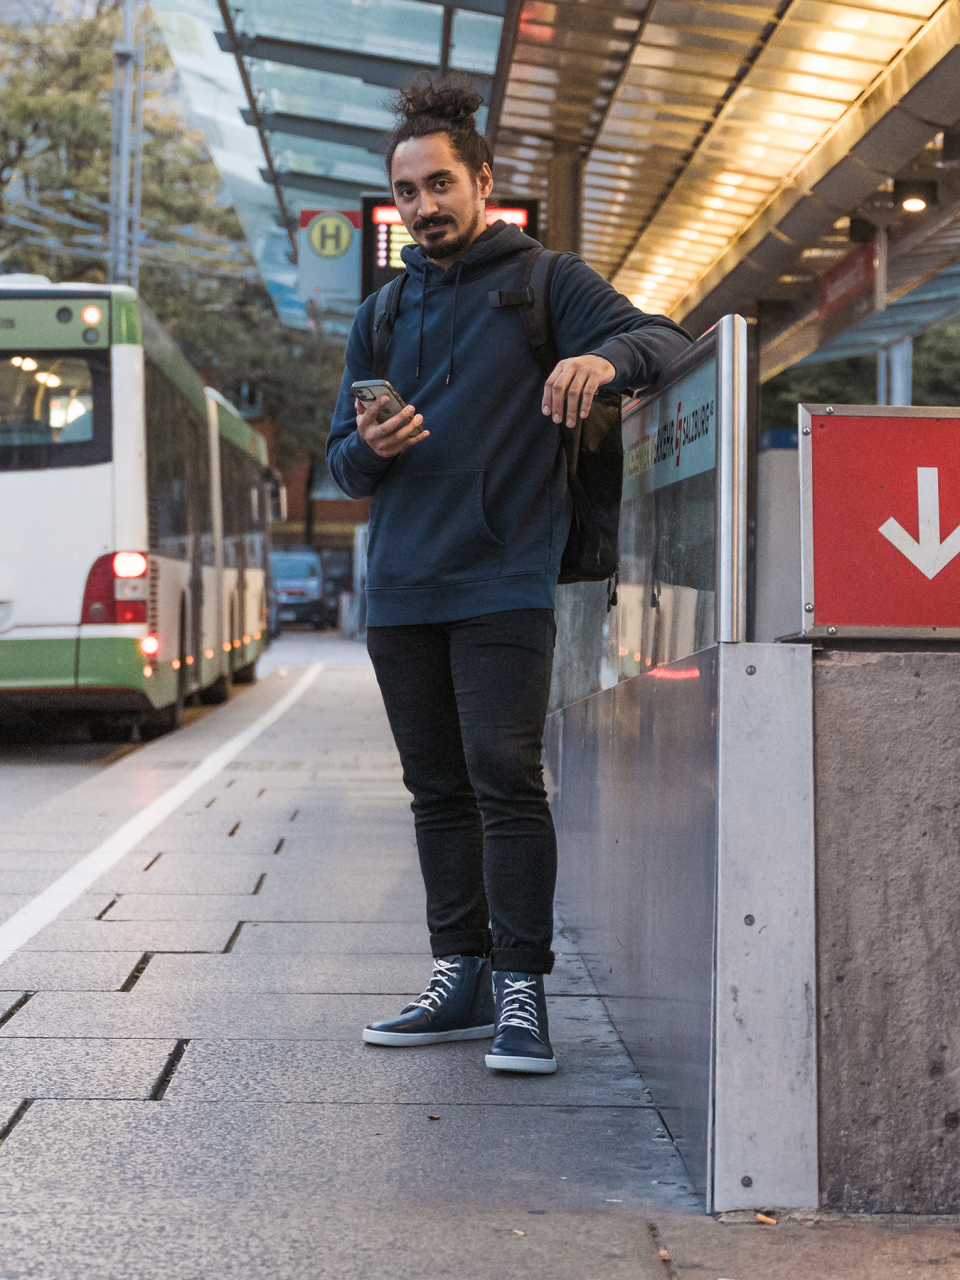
(446, 248)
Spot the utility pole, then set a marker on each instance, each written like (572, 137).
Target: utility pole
(123, 266)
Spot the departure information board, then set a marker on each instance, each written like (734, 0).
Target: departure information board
(384, 235)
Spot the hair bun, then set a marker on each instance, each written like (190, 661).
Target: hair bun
(450, 100)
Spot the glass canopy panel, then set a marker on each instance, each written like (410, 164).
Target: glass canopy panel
(406, 29)
(397, 29)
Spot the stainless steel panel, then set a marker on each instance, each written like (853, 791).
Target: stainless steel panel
(765, 1073)
(732, 479)
(636, 820)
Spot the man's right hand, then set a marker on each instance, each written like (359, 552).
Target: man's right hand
(393, 436)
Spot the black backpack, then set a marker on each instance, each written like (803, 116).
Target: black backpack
(594, 447)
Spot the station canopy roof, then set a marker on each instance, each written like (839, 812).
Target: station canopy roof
(723, 143)
(320, 74)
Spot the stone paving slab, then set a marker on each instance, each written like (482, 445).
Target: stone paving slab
(233, 1016)
(824, 1247)
(318, 973)
(149, 1238)
(398, 904)
(596, 1074)
(364, 939)
(82, 1068)
(67, 971)
(552, 1158)
(101, 935)
(212, 874)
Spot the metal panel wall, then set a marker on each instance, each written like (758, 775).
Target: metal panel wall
(634, 769)
(765, 1063)
(684, 804)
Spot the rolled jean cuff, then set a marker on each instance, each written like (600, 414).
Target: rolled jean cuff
(522, 960)
(472, 942)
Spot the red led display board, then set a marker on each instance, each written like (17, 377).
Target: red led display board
(384, 235)
(881, 520)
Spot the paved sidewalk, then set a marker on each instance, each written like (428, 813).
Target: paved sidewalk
(184, 1089)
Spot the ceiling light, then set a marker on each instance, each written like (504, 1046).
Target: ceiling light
(914, 194)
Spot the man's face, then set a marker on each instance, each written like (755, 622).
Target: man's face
(439, 200)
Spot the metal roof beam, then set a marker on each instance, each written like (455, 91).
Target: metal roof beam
(332, 188)
(388, 73)
(229, 41)
(505, 51)
(495, 8)
(347, 135)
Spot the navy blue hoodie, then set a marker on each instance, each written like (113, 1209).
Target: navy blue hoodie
(474, 519)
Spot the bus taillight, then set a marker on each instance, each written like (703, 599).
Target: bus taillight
(130, 564)
(116, 590)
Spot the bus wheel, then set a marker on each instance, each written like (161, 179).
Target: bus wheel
(246, 675)
(216, 693)
(166, 720)
(108, 729)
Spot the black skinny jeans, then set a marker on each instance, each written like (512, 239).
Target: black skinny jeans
(467, 702)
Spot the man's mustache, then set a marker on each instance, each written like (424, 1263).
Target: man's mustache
(424, 224)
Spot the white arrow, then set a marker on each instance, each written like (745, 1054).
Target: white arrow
(930, 555)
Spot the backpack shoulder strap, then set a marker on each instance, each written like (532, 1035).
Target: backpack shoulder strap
(538, 277)
(384, 318)
(532, 300)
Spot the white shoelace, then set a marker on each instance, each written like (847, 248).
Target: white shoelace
(519, 1007)
(439, 986)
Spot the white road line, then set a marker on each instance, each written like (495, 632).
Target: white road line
(46, 906)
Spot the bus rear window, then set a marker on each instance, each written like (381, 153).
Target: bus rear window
(54, 410)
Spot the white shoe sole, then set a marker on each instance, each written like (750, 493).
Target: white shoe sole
(532, 1066)
(399, 1040)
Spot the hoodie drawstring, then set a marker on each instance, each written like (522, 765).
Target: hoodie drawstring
(423, 312)
(453, 321)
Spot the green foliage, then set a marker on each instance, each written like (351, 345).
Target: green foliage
(295, 374)
(56, 79)
(936, 379)
(850, 381)
(936, 366)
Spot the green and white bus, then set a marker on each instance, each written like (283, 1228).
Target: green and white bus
(130, 579)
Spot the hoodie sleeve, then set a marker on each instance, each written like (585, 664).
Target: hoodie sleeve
(353, 464)
(591, 318)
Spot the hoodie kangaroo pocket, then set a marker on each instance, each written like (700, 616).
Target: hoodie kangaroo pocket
(430, 528)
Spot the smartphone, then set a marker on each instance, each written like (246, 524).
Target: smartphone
(368, 392)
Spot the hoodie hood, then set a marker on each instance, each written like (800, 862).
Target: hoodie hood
(499, 241)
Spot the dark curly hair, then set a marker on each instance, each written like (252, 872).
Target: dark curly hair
(447, 106)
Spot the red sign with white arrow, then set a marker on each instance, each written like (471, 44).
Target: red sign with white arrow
(886, 519)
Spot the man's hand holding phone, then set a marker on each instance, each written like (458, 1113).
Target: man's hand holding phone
(396, 433)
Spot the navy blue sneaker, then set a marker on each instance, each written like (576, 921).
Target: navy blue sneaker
(457, 1005)
(522, 1042)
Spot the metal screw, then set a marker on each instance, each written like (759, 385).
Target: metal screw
(808, 608)
(746, 1181)
(751, 671)
(831, 631)
(828, 409)
(806, 431)
(748, 920)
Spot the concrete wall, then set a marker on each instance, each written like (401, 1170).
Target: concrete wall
(887, 749)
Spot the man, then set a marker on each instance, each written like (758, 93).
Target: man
(469, 518)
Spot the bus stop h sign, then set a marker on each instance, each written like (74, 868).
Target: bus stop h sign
(880, 520)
